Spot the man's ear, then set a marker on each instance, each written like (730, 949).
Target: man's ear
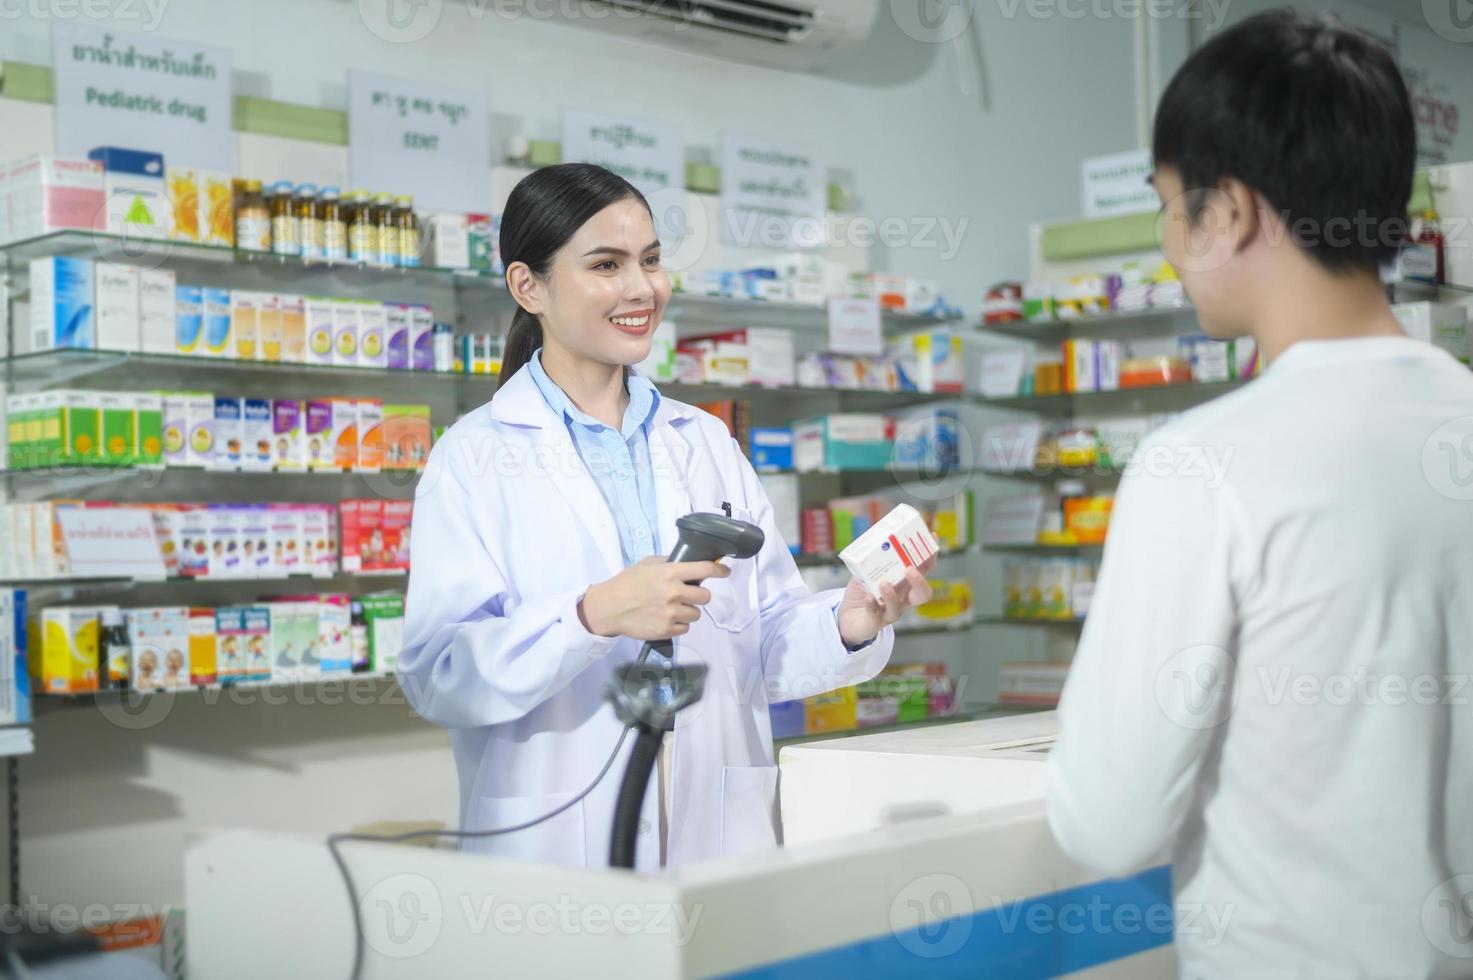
(526, 288)
(1242, 205)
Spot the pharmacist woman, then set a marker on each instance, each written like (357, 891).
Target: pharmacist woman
(539, 527)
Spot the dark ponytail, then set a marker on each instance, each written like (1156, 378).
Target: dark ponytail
(545, 209)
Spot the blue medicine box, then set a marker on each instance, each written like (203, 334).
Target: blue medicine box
(771, 448)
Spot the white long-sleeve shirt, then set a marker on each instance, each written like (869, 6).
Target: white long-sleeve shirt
(1272, 690)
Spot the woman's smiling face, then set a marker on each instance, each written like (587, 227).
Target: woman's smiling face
(606, 291)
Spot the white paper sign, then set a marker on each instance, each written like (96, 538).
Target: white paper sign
(647, 154)
(1013, 520)
(854, 326)
(1002, 372)
(110, 541)
(773, 195)
(427, 140)
(143, 92)
(1117, 184)
(1010, 448)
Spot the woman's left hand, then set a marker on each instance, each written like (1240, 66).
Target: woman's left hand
(861, 618)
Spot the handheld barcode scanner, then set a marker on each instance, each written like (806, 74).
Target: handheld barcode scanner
(647, 696)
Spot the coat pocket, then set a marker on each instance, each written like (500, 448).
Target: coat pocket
(748, 809)
(733, 604)
(558, 840)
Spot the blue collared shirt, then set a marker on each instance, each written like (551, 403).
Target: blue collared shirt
(618, 461)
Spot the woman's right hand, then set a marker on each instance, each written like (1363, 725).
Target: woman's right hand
(649, 600)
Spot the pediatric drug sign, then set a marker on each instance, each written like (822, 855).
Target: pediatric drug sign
(143, 92)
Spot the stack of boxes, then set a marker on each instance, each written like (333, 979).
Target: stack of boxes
(281, 639)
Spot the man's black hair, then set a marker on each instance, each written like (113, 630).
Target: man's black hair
(1310, 113)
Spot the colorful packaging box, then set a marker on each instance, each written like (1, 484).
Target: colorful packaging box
(202, 646)
(288, 440)
(370, 453)
(137, 200)
(15, 672)
(348, 528)
(293, 313)
(930, 361)
(256, 639)
(334, 647)
(217, 340)
(421, 338)
(193, 523)
(157, 311)
(836, 711)
(788, 719)
(189, 322)
(256, 559)
(396, 330)
(229, 434)
(119, 422)
(384, 617)
(232, 637)
(160, 638)
(345, 332)
(372, 326)
(245, 324)
(319, 540)
(843, 441)
(48, 194)
(64, 649)
(257, 453)
(62, 304)
(883, 553)
(772, 448)
(317, 432)
(286, 538)
(116, 295)
(320, 324)
(395, 527)
(149, 409)
(406, 437)
(224, 539)
(268, 327)
(344, 435)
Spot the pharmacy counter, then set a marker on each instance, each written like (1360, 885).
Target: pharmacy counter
(906, 855)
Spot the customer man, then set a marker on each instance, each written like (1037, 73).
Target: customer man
(1271, 692)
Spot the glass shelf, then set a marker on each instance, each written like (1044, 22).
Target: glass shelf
(1044, 549)
(265, 583)
(695, 313)
(1117, 325)
(331, 679)
(979, 712)
(1053, 476)
(40, 370)
(935, 629)
(1156, 398)
(1031, 621)
(154, 252)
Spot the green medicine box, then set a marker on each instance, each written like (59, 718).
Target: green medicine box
(384, 617)
(119, 421)
(148, 407)
(64, 429)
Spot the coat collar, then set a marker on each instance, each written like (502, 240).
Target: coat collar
(518, 402)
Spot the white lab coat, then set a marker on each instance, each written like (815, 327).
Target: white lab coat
(509, 531)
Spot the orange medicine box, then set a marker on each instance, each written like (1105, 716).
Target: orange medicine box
(836, 711)
(1088, 518)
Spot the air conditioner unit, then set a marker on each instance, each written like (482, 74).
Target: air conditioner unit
(797, 35)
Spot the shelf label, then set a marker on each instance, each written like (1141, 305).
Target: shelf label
(142, 91)
(413, 138)
(108, 542)
(773, 195)
(854, 326)
(651, 156)
(1118, 184)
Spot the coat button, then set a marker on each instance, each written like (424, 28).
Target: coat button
(644, 825)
